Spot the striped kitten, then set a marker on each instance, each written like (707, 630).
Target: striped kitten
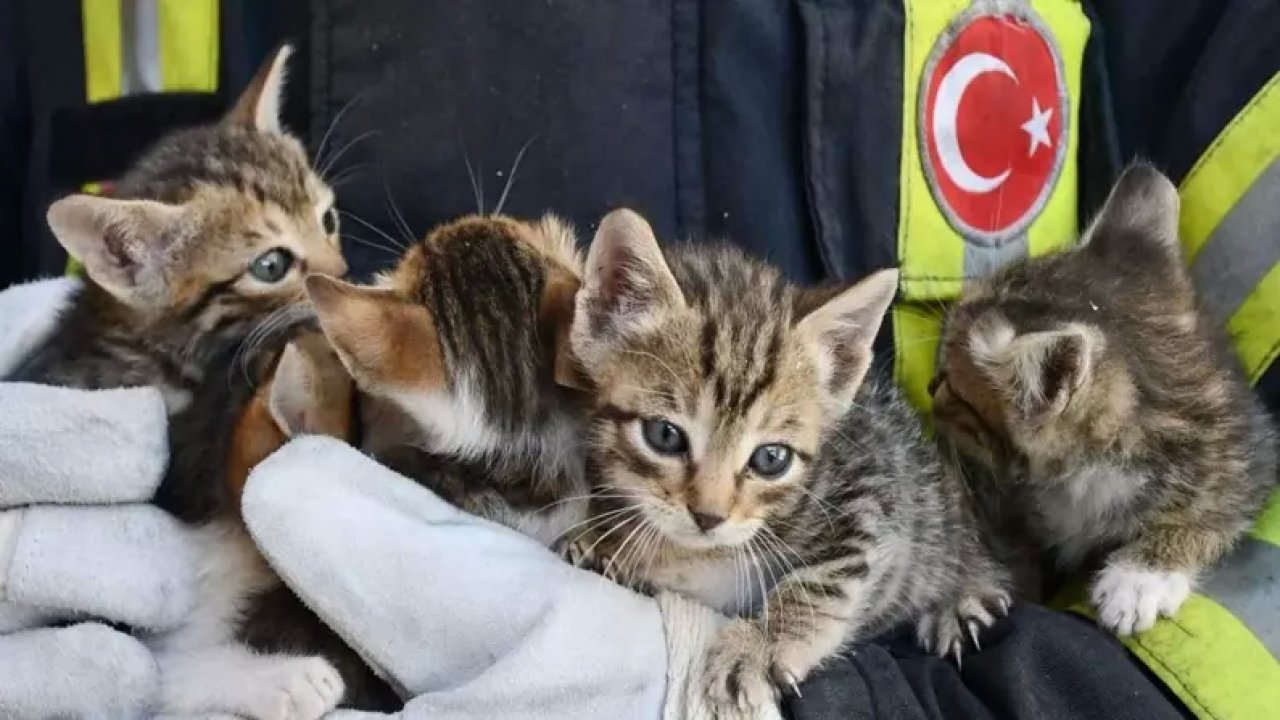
(208, 233)
(1104, 412)
(462, 349)
(741, 459)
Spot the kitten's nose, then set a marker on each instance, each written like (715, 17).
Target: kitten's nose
(705, 521)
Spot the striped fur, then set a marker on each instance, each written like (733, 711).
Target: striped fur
(1120, 428)
(864, 532)
(459, 348)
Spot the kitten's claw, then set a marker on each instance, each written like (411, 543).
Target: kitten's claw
(944, 631)
(737, 678)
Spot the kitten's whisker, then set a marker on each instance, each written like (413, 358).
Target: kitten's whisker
(347, 174)
(497, 210)
(587, 496)
(755, 562)
(476, 187)
(620, 559)
(332, 162)
(615, 529)
(594, 521)
(371, 226)
(369, 243)
(396, 216)
(333, 124)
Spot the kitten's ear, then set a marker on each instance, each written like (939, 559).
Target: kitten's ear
(556, 317)
(260, 104)
(386, 343)
(627, 277)
(842, 327)
(311, 391)
(121, 243)
(1044, 369)
(1143, 207)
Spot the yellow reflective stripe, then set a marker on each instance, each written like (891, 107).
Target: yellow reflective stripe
(930, 252)
(1055, 228)
(1255, 326)
(188, 31)
(1267, 528)
(1241, 152)
(1209, 659)
(102, 67)
(915, 338)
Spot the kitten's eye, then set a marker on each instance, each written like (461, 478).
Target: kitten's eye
(271, 265)
(664, 437)
(770, 461)
(330, 220)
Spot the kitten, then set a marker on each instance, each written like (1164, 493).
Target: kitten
(741, 459)
(209, 232)
(463, 350)
(1102, 410)
(251, 647)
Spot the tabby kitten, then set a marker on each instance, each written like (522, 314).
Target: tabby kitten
(209, 232)
(741, 459)
(463, 350)
(1089, 390)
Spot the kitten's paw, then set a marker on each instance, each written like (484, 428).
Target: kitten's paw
(736, 677)
(1130, 598)
(296, 688)
(947, 630)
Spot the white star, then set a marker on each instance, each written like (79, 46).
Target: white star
(1038, 127)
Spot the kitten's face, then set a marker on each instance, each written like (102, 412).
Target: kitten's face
(212, 224)
(1038, 363)
(715, 380)
(467, 336)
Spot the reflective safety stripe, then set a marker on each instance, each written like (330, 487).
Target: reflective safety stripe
(1230, 229)
(103, 71)
(933, 257)
(188, 34)
(1248, 584)
(1267, 528)
(140, 48)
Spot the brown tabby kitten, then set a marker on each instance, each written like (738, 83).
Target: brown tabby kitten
(741, 459)
(464, 346)
(1102, 411)
(212, 230)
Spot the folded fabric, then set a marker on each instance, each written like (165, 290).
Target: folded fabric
(84, 671)
(468, 618)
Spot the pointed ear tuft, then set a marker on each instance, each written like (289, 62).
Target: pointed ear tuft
(260, 104)
(842, 329)
(626, 277)
(311, 391)
(384, 341)
(121, 243)
(1044, 369)
(1143, 206)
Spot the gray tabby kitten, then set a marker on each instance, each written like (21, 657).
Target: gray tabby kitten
(1100, 413)
(461, 353)
(741, 459)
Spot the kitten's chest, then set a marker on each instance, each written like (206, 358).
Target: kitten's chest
(1082, 510)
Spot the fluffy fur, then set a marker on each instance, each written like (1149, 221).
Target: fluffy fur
(462, 350)
(861, 532)
(1100, 416)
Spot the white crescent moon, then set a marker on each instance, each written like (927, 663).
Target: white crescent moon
(945, 106)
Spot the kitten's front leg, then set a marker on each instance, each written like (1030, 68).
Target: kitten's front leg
(809, 616)
(234, 679)
(1152, 576)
